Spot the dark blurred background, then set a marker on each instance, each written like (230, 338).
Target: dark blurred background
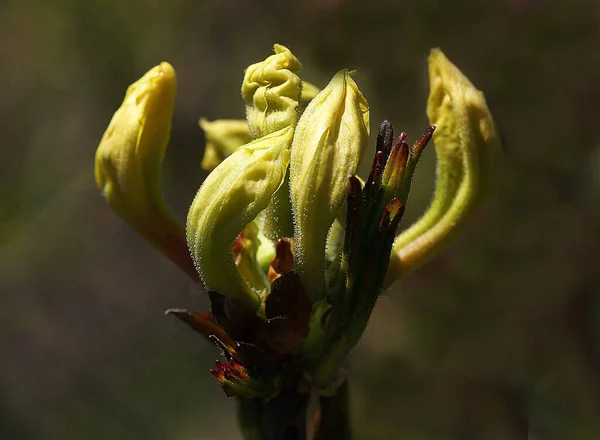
(499, 333)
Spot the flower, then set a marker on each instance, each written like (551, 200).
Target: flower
(231, 197)
(293, 248)
(271, 91)
(328, 144)
(467, 148)
(129, 160)
(223, 137)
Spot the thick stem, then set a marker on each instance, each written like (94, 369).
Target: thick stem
(280, 418)
(332, 420)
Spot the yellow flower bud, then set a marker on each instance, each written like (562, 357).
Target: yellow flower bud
(230, 198)
(223, 137)
(309, 91)
(129, 160)
(328, 144)
(466, 146)
(271, 90)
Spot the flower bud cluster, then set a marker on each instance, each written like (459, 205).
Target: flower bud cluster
(293, 248)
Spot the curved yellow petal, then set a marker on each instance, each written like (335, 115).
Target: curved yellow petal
(129, 160)
(271, 90)
(467, 148)
(231, 197)
(308, 92)
(223, 137)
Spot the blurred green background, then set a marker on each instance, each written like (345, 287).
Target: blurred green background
(498, 333)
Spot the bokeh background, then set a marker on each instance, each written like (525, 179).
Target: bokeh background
(497, 337)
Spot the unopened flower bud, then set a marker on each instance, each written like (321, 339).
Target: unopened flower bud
(223, 137)
(129, 160)
(271, 90)
(308, 92)
(230, 198)
(466, 145)
(328, 144)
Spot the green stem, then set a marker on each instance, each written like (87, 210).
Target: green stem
(332, 420)
(280, 418)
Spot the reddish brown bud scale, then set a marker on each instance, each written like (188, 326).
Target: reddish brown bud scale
(230, 376)
(398, 166)
(391, 214)
(384, 223)
(218, 373)
(354, 190)
(354, 221)
(396, 208)
(391, 159)
(205, 324)
(287, 310)
(385, 138)
(283, 261)
(354, 214)
(376, 170)
(418, 146)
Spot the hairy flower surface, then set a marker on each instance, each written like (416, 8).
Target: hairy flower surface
(292, 247)
(467, 149)
(231, 197)
(271, 91)
(130, 154)
(328, 145)
(223, 137)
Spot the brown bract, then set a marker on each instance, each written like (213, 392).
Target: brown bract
(250, 343)
(266, 343)
(283, 261)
